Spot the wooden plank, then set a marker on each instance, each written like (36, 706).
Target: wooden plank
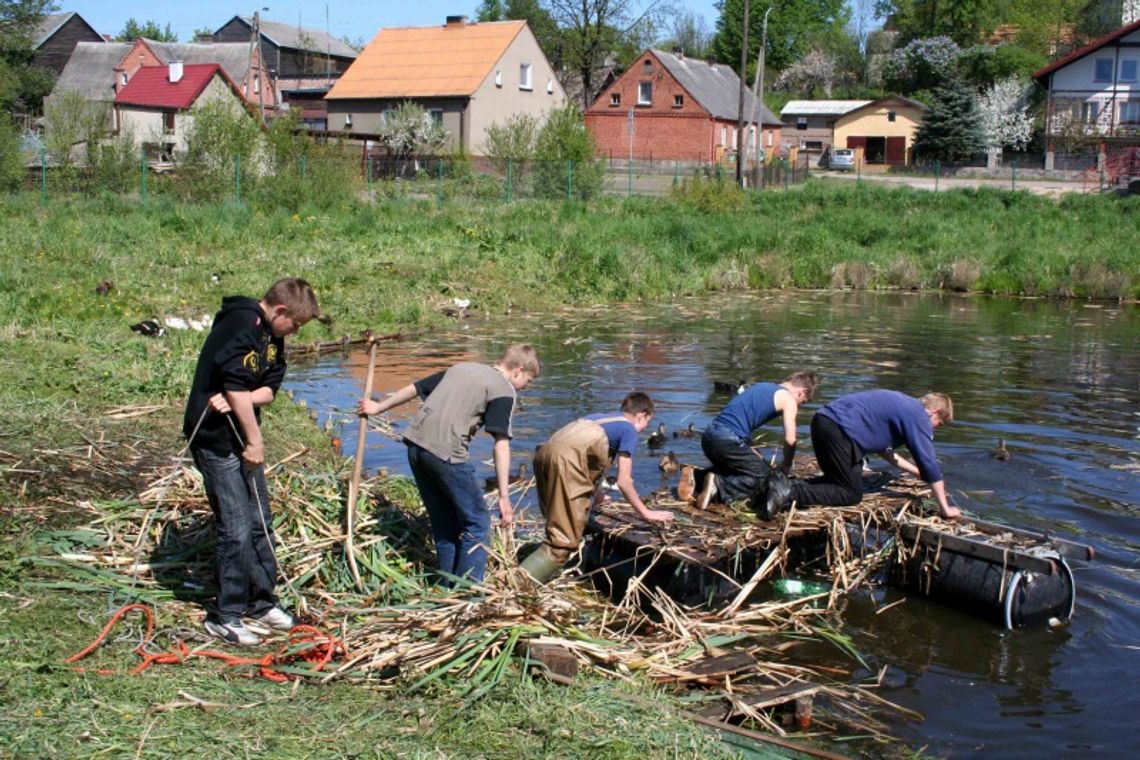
(1065, 548)
(974, 548)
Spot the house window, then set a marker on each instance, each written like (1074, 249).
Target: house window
(256, 84)
(813, 145)
(549, 86)
(678, 101)
(168, 122)
(123, 79)
(615, 98)
(723, 136)
(525, 77)
(1086, 112)
(801, 122)
(645, 93)
(891, 115)
(499, 78)
(347, 120)
(436, 116)
(1130, 112)
(1103, 71)
(1128, 70)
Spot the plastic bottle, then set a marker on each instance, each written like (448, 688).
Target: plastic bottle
(794, 587)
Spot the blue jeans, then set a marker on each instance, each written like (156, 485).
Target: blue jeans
(738, 468)
(460, 520)
(245, 568)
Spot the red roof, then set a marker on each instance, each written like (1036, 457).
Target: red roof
(1089, 48)
(151, 87)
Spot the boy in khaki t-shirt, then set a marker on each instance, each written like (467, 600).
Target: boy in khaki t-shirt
(457, 402)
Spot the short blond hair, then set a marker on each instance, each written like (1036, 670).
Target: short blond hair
(805, 380)
(521, 356)
(941, 403)
(296, 296)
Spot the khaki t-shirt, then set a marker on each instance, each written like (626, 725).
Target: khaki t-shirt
(457, 403)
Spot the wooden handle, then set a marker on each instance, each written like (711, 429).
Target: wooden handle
(357, 469)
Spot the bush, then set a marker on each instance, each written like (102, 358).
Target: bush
(221, 135)
(711, 196)
(564, 154)
(512, 142)
(11, 158)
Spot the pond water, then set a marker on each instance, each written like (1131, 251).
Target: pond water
(1060, 381)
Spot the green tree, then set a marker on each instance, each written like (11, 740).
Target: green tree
(691, 34)
(541, 23)
(963, 21)
(564, 155)
(22, 86)
(951, 130)
(513, 141)
(150, 30)
(794, 28)
(12, 158)
(72, 120)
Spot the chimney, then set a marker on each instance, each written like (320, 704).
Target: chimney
(456, 21)
(711, 60)
(175, 71)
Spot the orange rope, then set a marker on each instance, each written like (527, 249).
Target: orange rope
(306, 643)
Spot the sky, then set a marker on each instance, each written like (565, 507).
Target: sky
(354, 19)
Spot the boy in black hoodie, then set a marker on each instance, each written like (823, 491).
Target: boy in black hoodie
(239, 370)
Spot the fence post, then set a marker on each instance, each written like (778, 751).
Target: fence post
(43, 176)
(1101, 180)
(1013, 175)
(142, 168)
(569, 180)
(371, 197)
(439, 185)
(676, 172)
(937, 174)
(510, 177)
(629, 178)
(237, 178)
(784, 164)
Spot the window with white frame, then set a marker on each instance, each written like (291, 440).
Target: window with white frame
(723, 136)
(256, 84)
(645, 93)
(347, 120)
(123, 79)
(525, 75)
(801, 123)
(813, 145)
(1130, 112)
(499, 78)
(1128, 70)
(678, 101)
(892, 115)
(1086, 112)
(1102, 71)
(615, 98)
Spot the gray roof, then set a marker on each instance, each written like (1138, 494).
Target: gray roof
(298, 38)
(49, 26)
(233, 57)
(716, 87)
(91, 70)
(821, 107)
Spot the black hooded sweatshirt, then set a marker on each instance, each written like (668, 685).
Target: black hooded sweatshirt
(240, 354)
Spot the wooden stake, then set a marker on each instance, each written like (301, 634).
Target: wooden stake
(354, 483)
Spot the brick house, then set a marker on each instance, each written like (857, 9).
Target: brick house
(680, 109)
(154, 106)
(56, 37)
(1094, 96)
(466, 75)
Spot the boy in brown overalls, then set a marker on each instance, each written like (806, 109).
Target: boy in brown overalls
(568, 470)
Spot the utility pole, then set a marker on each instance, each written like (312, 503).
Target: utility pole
(255, 75)
(740, 105)
(758, 82)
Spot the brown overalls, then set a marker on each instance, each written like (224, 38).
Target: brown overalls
(567, 471)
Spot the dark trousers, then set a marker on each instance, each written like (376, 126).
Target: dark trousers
(841, 460)
(738, 468)
(245, 568)
(460, 520)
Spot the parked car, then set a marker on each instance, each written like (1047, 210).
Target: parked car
(842, 159)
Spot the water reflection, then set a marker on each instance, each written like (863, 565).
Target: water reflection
(1059, 381)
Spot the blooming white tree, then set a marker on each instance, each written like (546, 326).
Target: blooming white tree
(409, 130)
(1004, 111)
(815, 71)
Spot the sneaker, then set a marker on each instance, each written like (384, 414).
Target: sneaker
(232, 632)
(276, 618)
(707, 492)
(779, 493)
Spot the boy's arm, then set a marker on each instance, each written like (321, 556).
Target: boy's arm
(502, 459)
(367, 406)
(629, 491)
(790, 410)
(263, 396)
(241, 405)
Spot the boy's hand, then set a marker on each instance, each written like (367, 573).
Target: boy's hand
(506, 510)
(367, 407)
(950, 512)
(253, 455)
(219, 403)
(659, 515)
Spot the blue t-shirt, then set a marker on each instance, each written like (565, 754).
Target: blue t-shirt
(879, 420)
(750, 410)
(620, 432)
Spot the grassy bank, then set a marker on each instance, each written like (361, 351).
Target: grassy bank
(69, 365)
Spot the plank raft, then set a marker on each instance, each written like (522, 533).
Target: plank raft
(1014, 577)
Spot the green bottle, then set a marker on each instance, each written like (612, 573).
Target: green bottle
(794, 587)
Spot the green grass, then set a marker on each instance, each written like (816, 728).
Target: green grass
(67, 357)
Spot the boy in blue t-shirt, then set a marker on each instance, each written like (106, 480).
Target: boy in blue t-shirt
(568, 469)
(737, 470)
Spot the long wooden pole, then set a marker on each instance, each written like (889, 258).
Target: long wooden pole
(354, 483)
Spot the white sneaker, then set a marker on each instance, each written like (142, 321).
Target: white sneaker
(233, 632)
(277, 619)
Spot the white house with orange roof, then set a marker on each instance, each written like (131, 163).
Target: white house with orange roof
(467, 75)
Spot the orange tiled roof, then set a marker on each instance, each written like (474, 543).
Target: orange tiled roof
(426, 61)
